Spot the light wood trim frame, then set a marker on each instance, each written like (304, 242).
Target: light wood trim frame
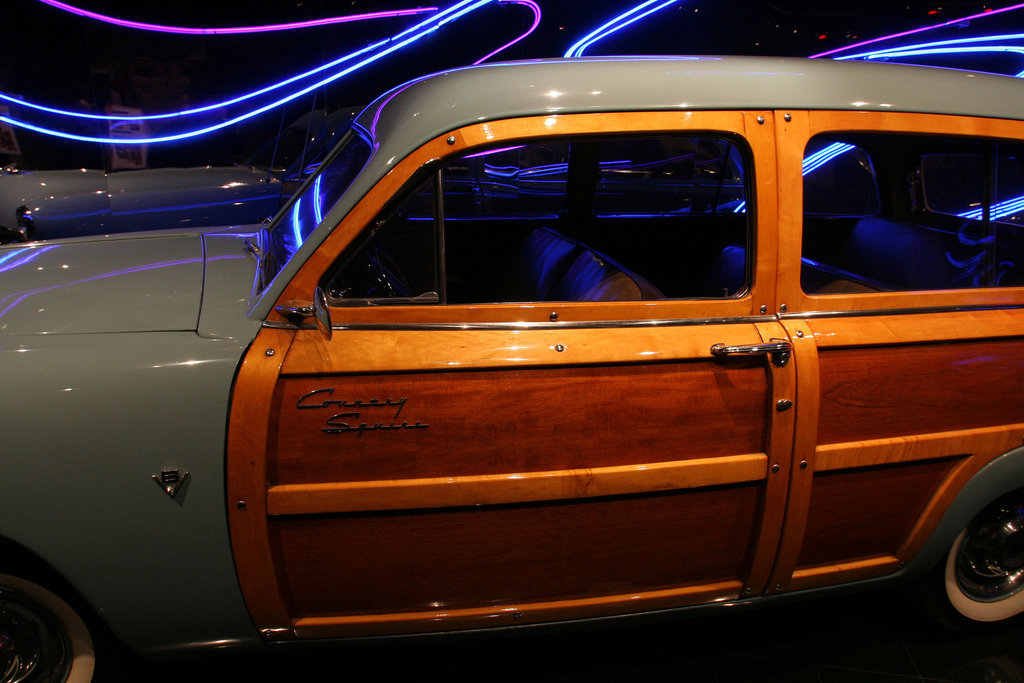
(793, 137)
(854, 570)
(512, 615)
(426, 350)
(917, 328)
(803, 463)
(984, 444)
(755, 128)
(782, 387)
(339, 497)
(248, 436)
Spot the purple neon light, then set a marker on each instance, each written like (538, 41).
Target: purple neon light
(922, 29)
(383, 48)
(536, 22)
(234, 29)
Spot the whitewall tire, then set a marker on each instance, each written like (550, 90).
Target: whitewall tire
(42, 638)
(984, 571)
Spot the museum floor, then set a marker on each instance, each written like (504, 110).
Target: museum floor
(874, 637)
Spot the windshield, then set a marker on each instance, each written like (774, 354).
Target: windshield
(306, 210)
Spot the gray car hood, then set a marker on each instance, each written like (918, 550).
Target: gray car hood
(135, 283)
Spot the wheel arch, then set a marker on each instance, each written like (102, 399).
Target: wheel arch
(1003, 475)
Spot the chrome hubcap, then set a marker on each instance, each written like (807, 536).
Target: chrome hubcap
(990, 561)
(34, 647)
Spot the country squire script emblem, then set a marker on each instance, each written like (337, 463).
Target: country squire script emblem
(352, 420)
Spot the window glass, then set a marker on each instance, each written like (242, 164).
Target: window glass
(663, 176)
(294, 223)
(839, 180)
(524, 181)
(396, 261)
(945, 215)
(595, 219)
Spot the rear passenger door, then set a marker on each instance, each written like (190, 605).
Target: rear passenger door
(905, 315)
(553, 388)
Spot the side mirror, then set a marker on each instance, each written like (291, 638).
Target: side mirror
(298, 312)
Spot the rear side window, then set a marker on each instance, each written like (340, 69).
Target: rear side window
(889, 212)
(592, 219)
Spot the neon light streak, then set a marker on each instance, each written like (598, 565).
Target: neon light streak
(225, 103)
(296, 231)
(903, 34)
(941, 51)
(616, 24)
(395, 43)
(317, 208)
(536, 22)
(996, 211)
(825, 155)
(493, 151)
(21, 257)
(235, 29)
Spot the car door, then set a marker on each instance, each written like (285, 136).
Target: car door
(553, 388)
(906, 322)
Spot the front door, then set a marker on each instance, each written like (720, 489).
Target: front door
(552, 389)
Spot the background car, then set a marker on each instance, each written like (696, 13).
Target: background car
(38, 205)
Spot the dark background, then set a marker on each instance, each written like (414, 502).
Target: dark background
(62, 60)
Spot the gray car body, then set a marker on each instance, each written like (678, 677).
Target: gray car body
(118, 354)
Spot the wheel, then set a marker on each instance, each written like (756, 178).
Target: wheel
(984, 571)
(42, 638)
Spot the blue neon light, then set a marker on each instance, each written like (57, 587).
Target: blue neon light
(393, 44)
(317, 203)
(618, 23)
(825, 155)
(296, 230)
(1000, 210)
(923, 29)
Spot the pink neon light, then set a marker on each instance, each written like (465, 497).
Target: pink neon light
(235, 29)
(987, 13)
(536, 22)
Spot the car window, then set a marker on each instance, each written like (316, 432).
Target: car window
(596, 219)
(923, 213)
(304, 212)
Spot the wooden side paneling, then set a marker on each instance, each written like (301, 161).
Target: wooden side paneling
(501, 422)
(885, 391)
(496, 555)
(867, 512)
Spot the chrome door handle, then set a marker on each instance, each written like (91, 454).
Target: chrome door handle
(779, 349)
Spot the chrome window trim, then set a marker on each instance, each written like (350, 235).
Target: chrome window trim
(518, 326)
(923, 310)
(657, 322)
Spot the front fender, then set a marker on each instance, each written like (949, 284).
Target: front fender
(88, 420)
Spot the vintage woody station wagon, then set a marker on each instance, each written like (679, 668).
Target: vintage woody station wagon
(546, 341)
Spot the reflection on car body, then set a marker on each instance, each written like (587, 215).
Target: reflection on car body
(538, 344)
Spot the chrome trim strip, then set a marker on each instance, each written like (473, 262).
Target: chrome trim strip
(583, 324)
(809, 315)
(663, 322)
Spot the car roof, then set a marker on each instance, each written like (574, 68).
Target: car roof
(424, 108)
